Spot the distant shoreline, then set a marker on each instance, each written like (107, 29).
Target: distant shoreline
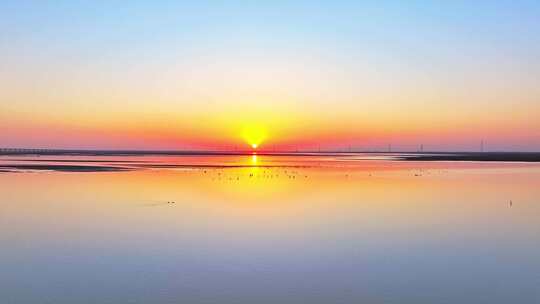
(478, 156)
(399, 156)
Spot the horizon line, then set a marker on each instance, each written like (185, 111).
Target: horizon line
(235, 152)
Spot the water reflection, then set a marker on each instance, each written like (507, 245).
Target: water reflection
(254, 159)
(260, 229)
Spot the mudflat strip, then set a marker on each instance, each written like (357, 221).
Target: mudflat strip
(63, 168)
(479, 156)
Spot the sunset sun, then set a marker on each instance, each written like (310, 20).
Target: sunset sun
(254, 134)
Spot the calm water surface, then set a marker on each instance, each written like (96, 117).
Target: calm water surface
(267, 229)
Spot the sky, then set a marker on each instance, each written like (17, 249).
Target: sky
(280, 74)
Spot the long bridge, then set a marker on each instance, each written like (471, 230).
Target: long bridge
(27, 151)
(81, 152)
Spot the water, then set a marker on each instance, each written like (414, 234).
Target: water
(268, 229)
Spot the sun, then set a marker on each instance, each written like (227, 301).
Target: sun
(254, 134)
